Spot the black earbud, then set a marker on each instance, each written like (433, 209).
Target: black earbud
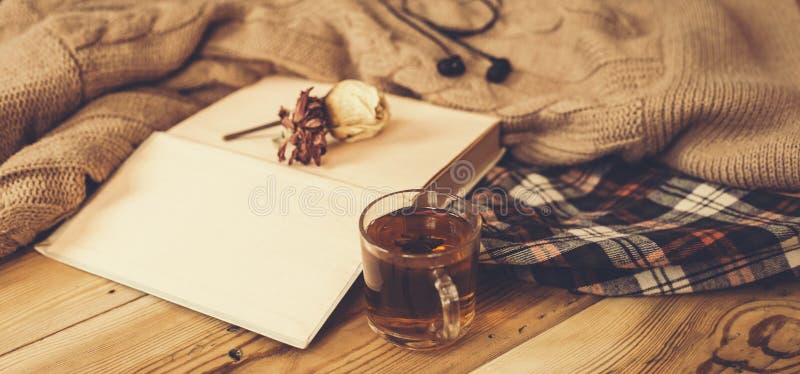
(452, 66)
(499, 70)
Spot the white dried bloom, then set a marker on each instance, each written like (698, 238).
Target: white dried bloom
(356, 110)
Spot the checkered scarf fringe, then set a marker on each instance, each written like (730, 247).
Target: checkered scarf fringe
(615, 229)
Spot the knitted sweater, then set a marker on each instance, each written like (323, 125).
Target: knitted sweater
(711, 88)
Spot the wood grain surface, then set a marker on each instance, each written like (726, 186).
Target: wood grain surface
(39, 297)
(145, 334)
(752, 329)
(58, 319)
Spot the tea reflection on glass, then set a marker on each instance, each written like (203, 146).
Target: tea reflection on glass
(420, 251)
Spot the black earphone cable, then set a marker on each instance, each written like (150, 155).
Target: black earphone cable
(457, 32)
(416, 27)
(453, 65)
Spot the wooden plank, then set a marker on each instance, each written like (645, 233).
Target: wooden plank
(143, 335)
(39, 297)
(753, 329)
(508, 313)
(150, 335)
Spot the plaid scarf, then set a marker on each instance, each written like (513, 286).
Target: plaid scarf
(615, 229)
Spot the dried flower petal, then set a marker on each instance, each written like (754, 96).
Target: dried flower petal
(314, 122)
(308, 124)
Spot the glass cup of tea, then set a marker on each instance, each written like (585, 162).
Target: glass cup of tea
(420, 256)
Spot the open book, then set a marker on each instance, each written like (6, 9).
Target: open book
(224, 229)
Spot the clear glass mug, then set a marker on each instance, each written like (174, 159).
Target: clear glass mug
(420, 252)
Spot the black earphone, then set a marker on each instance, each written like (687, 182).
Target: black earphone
(453, 65)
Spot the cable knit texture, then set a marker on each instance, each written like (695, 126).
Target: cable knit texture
(711, 88)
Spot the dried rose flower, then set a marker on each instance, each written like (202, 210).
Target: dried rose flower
(356, 110)
(306, 128)
(352, 111)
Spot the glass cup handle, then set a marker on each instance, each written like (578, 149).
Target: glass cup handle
(451, 307)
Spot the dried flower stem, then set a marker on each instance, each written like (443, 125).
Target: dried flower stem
(251, 130)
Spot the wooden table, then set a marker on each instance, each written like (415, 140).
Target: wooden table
(54, 319)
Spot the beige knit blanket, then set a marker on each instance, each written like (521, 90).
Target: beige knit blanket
(711, 88)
